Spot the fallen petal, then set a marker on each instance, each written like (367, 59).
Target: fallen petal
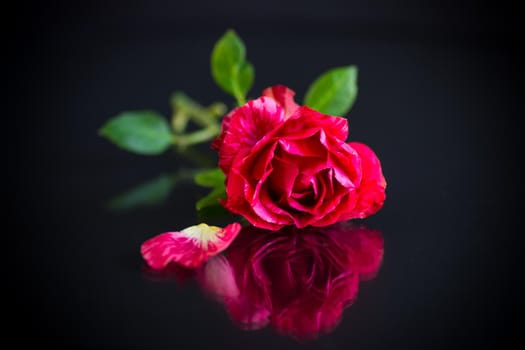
(189, 247)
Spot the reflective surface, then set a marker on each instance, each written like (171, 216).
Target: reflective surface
(297, 281)
(439, 101)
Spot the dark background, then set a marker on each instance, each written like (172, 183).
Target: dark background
(440, 90)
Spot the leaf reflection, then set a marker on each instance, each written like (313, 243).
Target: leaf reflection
(157, 190)
(153, 192)
(150, 193)
(296, 281)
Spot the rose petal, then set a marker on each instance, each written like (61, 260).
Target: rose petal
(258, 163)
(370, 164)
(371, 192)
(246, 126)
(346, 164)
(305, 117)
(283, 96)
(237, 203)
(282, 177)
(266, 208)
(309, 147)
(189, 247)
(245, 192)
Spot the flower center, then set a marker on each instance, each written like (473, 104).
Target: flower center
(202, 233)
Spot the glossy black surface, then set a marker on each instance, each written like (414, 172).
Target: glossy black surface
(439, 98)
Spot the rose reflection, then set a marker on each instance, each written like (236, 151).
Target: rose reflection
(298, 281)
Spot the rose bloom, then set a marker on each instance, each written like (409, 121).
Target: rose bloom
(291, 165)
(298, 281)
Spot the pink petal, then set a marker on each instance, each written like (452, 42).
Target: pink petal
(306, 118)
(237, 203)
(307, 147)
(370, 164)
(265, 207)
(283, 96)
(283, 182)
(371, 192)
(245, 127)
(189, 247)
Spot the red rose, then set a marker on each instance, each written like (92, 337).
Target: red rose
(291, 165)
(297, 280)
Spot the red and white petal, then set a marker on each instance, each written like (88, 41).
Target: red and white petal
(283, 96)
(189, 247)
(246, 126)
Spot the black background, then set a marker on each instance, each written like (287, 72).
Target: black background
(440, 90)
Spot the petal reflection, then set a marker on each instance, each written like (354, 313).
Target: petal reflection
(297, 280)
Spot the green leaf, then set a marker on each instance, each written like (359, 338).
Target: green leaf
(214, 179)
(211, 198)
(246, 77)
(229, 67)
(334, 92)
(213, 212)
(210, 178)
(142, 132)
(150, 193)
